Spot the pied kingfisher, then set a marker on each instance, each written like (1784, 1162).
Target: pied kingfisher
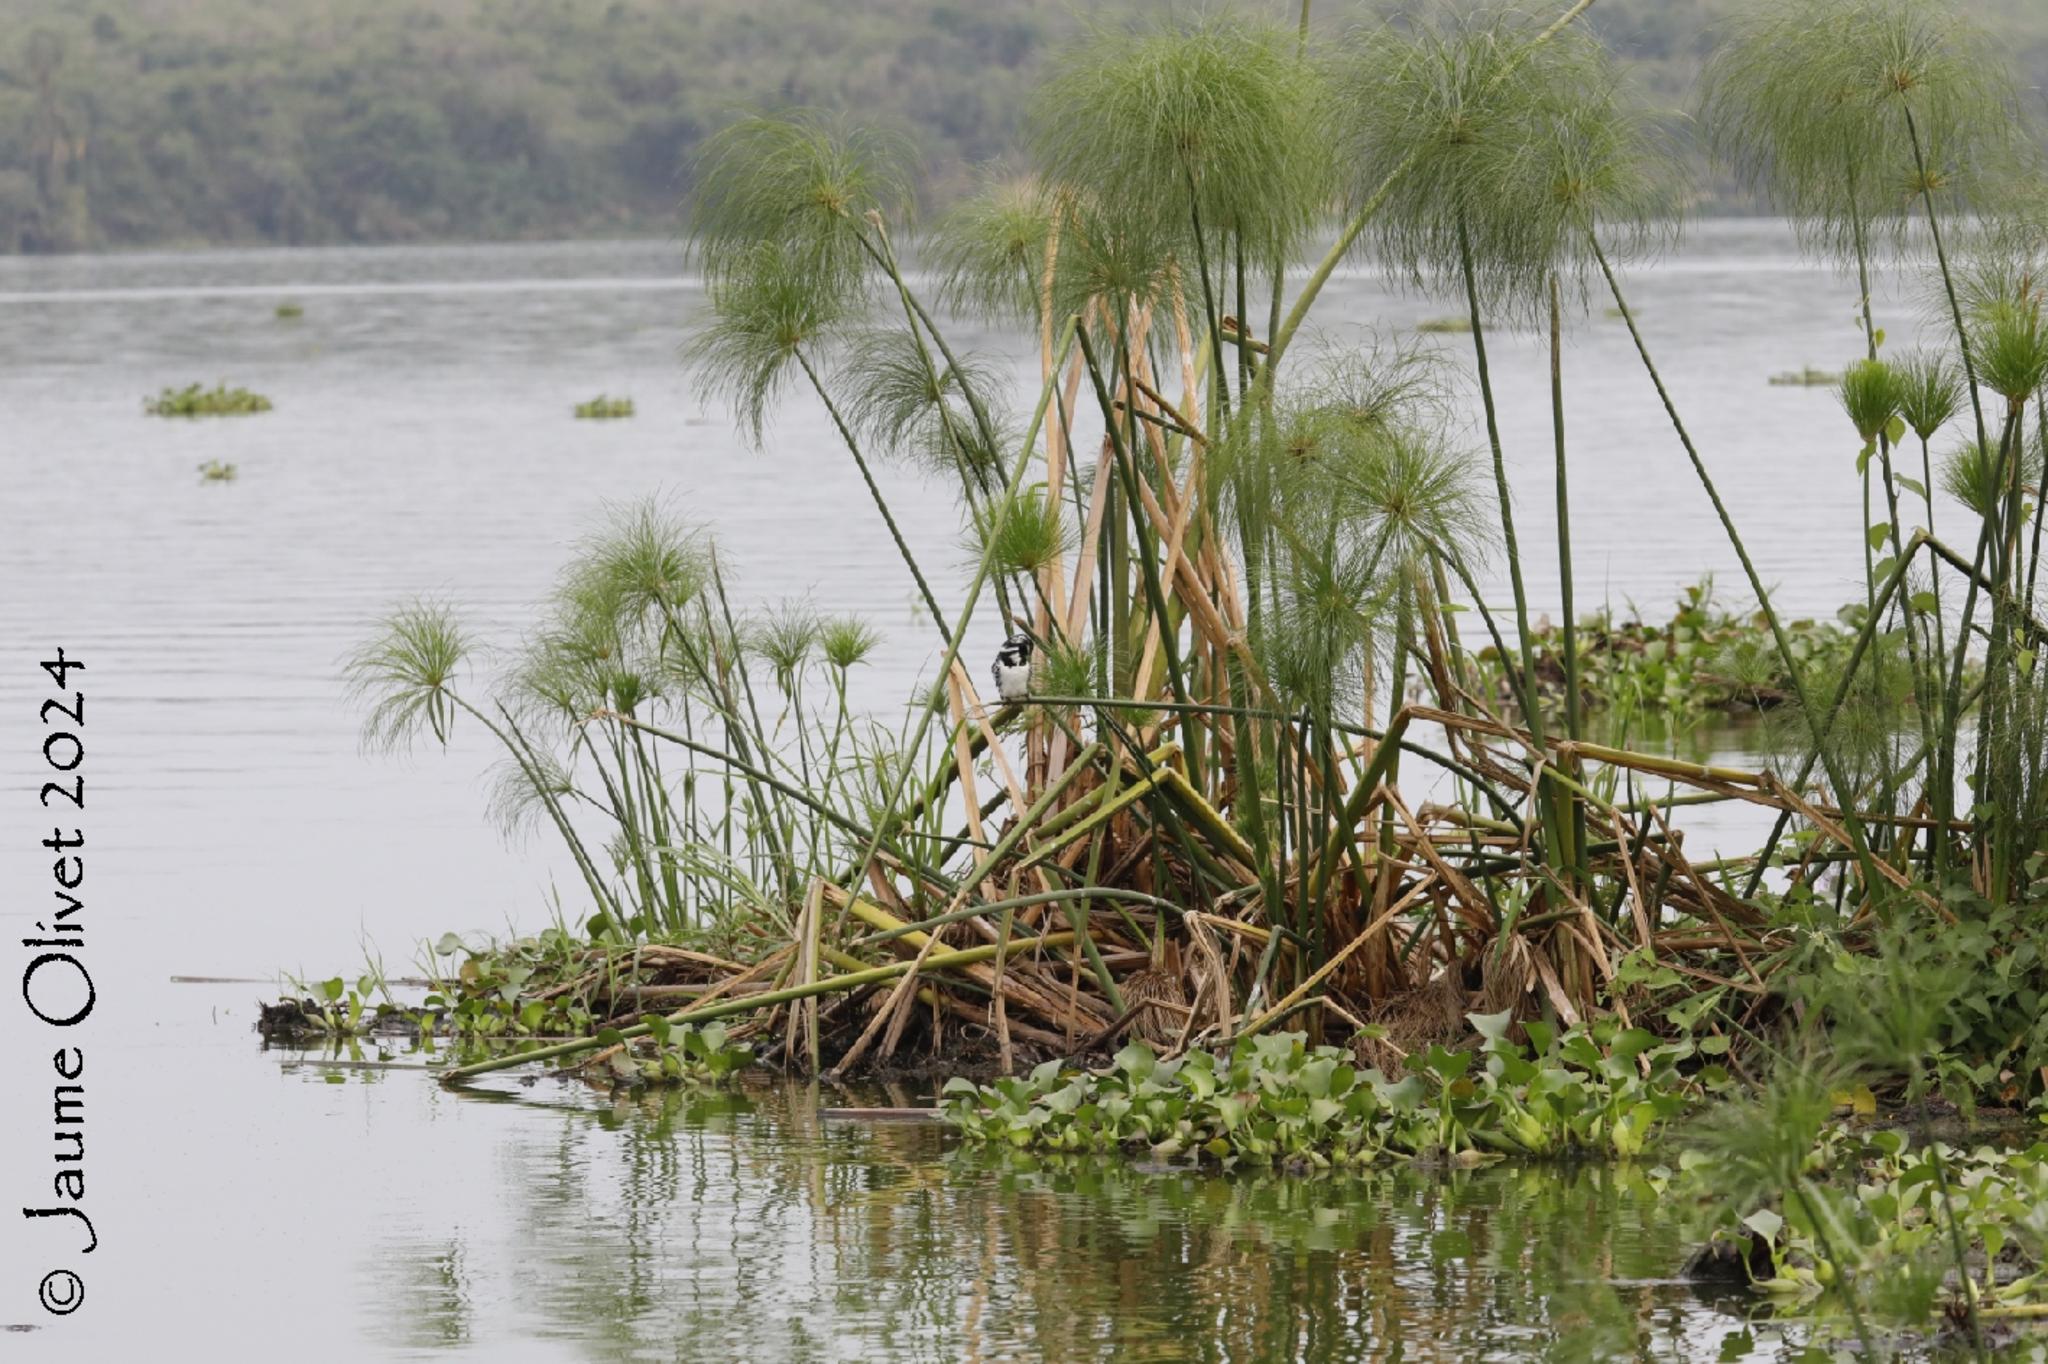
(1013, 668)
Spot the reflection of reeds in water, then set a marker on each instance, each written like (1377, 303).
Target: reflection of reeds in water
(653, 1229)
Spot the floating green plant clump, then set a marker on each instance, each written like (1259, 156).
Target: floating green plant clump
(1884, 1225)
(1273, 1099)
(290, 312)
(670, 1054)
(335, 1009)
(193, 400)
(1705, 657)
(603, 408)
(1809, 377)
(1455, 326)
(214, 471)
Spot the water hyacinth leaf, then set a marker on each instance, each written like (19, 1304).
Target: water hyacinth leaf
(1136, 1060)
(1314, 1077)
(1493, 1027)
(1632, 1043)
(1442, 1062)
(1402, 1097)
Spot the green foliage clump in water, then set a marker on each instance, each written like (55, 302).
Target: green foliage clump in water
(1807, 377)
(1273, 1099)
(1870, 1220)
(196, 401)
(604, 408)
(670, 1054)
(1705, 657)
(214, 471)
(290, 312)
(482, 998)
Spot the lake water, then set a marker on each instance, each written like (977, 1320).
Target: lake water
(422, 443)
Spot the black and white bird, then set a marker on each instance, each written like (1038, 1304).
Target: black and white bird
(1013, 668)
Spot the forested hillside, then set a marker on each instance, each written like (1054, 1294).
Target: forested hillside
(136, 122)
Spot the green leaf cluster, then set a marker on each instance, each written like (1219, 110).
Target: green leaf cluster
(1272, 1099)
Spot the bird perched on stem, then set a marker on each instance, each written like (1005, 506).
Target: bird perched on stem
(1013, 668)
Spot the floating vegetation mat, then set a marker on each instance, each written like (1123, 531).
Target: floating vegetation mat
(1274, 1099)
(1806, 378)
(196, 401)
(1705, 657)
(602, 408)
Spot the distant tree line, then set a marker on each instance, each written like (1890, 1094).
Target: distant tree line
(127, 123)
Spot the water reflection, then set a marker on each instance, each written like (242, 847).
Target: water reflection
(693, 1227)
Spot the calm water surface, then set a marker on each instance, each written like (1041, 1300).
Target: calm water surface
(422, 443)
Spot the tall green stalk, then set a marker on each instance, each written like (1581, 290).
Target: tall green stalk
(1564, 576)
(1945, 753)
(1851, 824)
(881, 503)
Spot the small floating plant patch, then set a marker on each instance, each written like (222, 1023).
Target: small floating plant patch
(196, 401)
(1808, 377)
(213, 471)
(289, 312)
(670, 1054)
(603, 408)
